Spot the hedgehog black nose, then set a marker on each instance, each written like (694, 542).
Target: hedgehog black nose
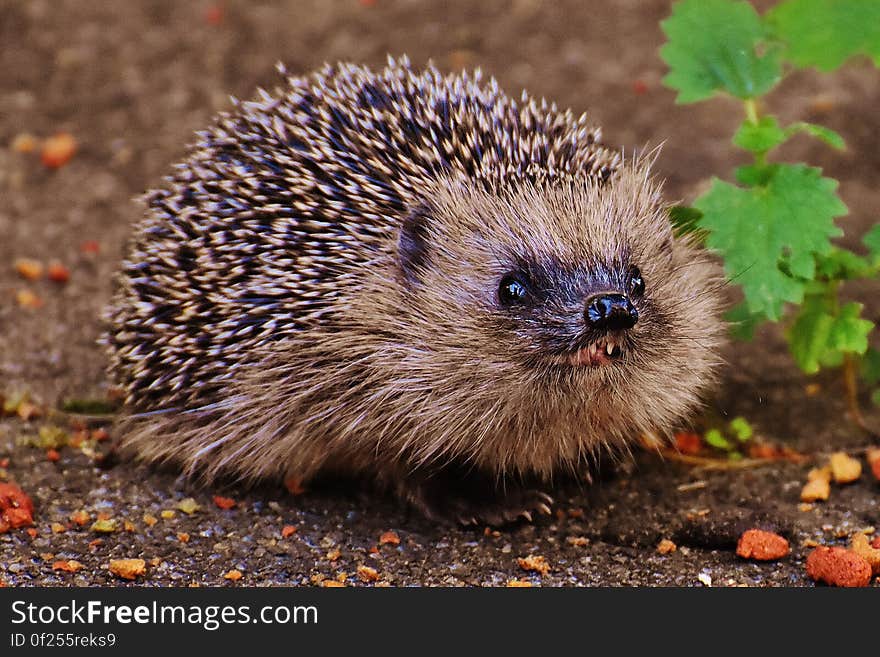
(610, 312)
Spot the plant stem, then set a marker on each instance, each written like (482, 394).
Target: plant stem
(751, 108)
(850, 380)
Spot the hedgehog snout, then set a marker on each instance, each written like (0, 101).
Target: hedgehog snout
(610, 312)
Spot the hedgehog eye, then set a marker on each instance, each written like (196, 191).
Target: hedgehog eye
(511, 290)
(636, 282)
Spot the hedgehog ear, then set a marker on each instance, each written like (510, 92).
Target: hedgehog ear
(412, 244)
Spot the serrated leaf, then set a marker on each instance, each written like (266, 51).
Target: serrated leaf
(713, 46)
(808, 336)
(790, 219)
(849, 334)
(841, 264)
(825, 33)
(760, 137)
(821, 334)
(820, 132)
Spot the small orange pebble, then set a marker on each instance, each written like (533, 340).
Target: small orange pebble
(665, 546)
(334, 554)
(33, 533)
(288, 530)
(128, 568)
(519, 584)
(28, 411)
(374, 549)
(57, 528)
(150, 520)
(844, 468)
(534, 563)
(4, 462)
(815, 490)
(28, 268)
(865, 549)
(389, 538)
(53, 455)
(762, 545)
(183, 537)
(128, 525)
(812, 389)
(16, 508)
(332, 584)
(294, 486)
(367, 574)
(223, 502)
(27, 299)
(57, 150)
(24, 143)
(578, 541)
(837, 566)
(233, 575)
(95, 544)
(57, 273)
(100, 434)
(69, 566)
(873, 455)
(80, 518)
(688, 442)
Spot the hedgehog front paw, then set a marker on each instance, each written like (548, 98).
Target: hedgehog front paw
(474, 500)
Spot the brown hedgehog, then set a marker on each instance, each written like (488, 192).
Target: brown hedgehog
(413, 278)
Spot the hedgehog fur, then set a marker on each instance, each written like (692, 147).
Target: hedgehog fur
(320, 287)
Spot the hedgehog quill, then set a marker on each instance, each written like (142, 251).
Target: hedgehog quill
(413, 278)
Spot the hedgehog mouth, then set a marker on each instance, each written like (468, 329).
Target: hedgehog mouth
(599, 353)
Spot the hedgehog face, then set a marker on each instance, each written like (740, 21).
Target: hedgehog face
(564, 275)
(573, 294)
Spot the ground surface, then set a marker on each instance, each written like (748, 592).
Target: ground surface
(133, 80)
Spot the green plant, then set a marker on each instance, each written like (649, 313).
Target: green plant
(774, 225)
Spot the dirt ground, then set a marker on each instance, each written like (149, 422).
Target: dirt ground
(133, 80)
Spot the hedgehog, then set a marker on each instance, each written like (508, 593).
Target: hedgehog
(410, 278)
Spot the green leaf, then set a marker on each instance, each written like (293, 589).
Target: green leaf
(875, 396)
(870, 367)
(849, 333)
(767, 134)
(715, 438)
(713, 46)
(872, 241)
(787, 221)
(825, 33)
(760, 137)
(820, 132)
(821, 334)
(842, 264)
(742, 323)
(741, 429)
(808, 336)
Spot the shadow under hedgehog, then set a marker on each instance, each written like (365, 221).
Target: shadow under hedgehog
(409, 277)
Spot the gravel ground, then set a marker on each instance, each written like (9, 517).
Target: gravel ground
(132, 81)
